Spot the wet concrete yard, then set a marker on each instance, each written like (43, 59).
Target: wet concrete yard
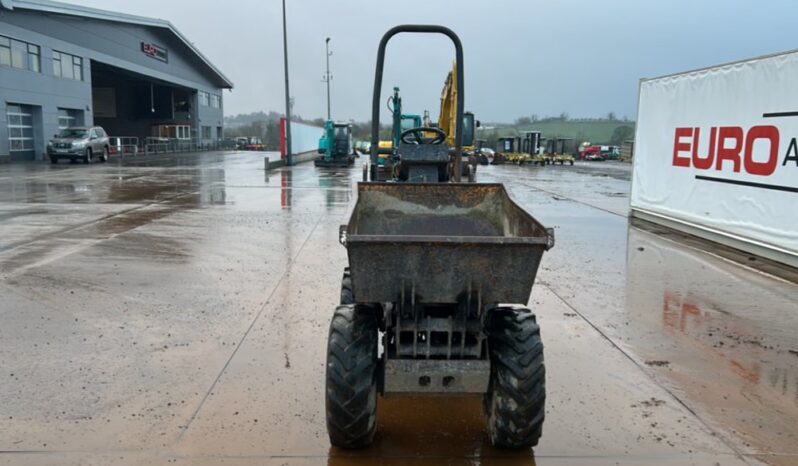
(175, 310)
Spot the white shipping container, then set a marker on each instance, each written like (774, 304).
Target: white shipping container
(716, 154)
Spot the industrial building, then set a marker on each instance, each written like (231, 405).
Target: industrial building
(68, 65)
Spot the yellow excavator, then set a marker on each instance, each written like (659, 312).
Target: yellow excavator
(447, 121)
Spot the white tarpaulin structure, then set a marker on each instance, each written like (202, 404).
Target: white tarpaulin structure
(716, 154)
(304, 137)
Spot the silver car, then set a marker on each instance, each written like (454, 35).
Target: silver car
(79, 143)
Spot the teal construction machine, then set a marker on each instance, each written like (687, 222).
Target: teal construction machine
(335, 146)
(400, 123)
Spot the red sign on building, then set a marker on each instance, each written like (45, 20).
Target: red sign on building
(156, 52)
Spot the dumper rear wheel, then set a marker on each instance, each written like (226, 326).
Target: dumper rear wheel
(351, 387)
(515, 402)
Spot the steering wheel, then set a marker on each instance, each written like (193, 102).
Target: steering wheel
(418, 136)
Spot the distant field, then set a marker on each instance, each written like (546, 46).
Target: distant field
(594, 131)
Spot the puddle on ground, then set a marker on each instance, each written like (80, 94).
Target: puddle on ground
(430, 431)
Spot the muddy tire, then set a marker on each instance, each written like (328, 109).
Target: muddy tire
(351, 387)
(347, 297)
(515, 402)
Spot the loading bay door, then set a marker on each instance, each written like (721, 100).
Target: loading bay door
(20, 132)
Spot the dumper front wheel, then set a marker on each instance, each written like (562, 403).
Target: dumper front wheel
(351, 387)
(347, 297)
(515, 402)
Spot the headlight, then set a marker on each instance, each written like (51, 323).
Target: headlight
(79, 144)
(49, 143)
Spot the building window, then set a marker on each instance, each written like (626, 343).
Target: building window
(77, 67)
(172, 131)
(206, 132)
(67, 118)
(216, 101)
(5, 51)
(204, 98)
(20, 127)
(67, 66)
(20, 54)
(34, 58)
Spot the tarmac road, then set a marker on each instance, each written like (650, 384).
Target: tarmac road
(175, 309)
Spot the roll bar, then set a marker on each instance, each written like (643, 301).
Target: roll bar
(375, 102)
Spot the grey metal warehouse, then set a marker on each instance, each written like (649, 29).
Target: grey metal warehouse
(67, 65)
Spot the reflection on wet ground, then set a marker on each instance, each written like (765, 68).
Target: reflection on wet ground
(721, 337)
(431, 431)
(174, 309)
(729, 323)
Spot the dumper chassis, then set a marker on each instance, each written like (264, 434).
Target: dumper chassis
(419, 312)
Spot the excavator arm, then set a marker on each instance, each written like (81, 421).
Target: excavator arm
(447, 119)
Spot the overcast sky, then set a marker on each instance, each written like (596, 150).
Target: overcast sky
(522, 57)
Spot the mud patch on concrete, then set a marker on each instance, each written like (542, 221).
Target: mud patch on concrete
(652, 402)
(657, 363)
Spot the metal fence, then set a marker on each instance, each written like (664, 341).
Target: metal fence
(132, 146)
(124, 146)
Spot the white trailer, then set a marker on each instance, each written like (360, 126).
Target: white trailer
(716, 154)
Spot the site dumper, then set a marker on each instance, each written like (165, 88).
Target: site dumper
(423, 302)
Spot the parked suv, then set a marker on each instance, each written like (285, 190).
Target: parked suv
(79, 143)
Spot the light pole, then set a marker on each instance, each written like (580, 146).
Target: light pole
(289, 156)
(328, 76)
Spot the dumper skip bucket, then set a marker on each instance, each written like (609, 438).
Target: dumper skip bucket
(441, 243)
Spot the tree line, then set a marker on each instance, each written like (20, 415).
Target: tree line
(266, 126)
(563, 117)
